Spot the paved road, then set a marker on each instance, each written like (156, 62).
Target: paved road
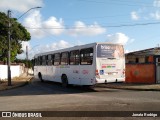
(49, 96)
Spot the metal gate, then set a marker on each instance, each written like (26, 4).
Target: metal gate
(158, 70)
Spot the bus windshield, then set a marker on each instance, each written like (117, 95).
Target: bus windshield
(110, 51)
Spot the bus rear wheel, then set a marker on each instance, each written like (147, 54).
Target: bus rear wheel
(40, 77)
(64, 81)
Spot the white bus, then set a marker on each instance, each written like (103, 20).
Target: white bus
(88, 64)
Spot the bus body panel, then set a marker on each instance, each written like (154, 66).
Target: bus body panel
(101, 70)
(49, 72)
(56, 74)
(110, 63)
(110, 70)
(74, 77)
(35, 72)
(87, 74)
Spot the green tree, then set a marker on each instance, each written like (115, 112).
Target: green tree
(28, 63)
(18, 34)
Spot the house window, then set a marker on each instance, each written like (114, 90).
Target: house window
(137, 60)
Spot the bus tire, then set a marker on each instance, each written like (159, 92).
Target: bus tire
(40, 77)
(64, 80)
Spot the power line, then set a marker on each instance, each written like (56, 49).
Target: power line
(127, 1)
(137, 24)
(99, 17)
(116, 3)
(97, 27)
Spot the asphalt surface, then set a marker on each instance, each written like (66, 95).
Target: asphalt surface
(49, 96)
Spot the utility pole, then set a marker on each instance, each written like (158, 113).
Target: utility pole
(9, 43)
(27, 62)
(9, 49)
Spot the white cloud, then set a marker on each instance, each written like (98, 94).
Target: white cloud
(156, 3)
(134, 15)
(118, 38)
(24, 44)
(80, 28)
(19, 5)
(50, 47)
(129, 51)
(52, 22)
(146, 14)
(156, 15)
(54, 26)
(59, 45)
(32, 50)
(36, 26)
(34, 21)
(126, 51)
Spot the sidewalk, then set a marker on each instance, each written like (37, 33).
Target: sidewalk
(16, 82)
(127, 86)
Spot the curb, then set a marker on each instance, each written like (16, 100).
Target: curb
(135, 89)
(20, 85)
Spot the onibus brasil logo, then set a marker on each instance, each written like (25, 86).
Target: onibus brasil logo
(21, 114)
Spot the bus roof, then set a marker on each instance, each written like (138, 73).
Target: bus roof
(77, 47)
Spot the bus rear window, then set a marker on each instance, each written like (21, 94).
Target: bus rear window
(110, 51)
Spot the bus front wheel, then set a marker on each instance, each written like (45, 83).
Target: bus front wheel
(64, 81)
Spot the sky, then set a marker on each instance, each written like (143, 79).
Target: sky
(65, 23)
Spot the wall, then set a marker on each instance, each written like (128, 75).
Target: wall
(141, 59)
(16, 71)
(140, 73)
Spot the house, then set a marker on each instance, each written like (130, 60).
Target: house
(143, 66)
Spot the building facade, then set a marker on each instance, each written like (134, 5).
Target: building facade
(143, 66)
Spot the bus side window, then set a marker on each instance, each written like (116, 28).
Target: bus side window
(35, 62)
(52, 60)
(57, 59)
(74, 57)
(64, 58)
(43, 60)
(46, 59)
(49, 60)
(40, 60)
(86, 56)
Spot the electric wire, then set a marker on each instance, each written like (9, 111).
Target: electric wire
(116, 3)
(97, 27)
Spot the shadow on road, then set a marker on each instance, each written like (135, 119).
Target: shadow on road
(36, 87)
